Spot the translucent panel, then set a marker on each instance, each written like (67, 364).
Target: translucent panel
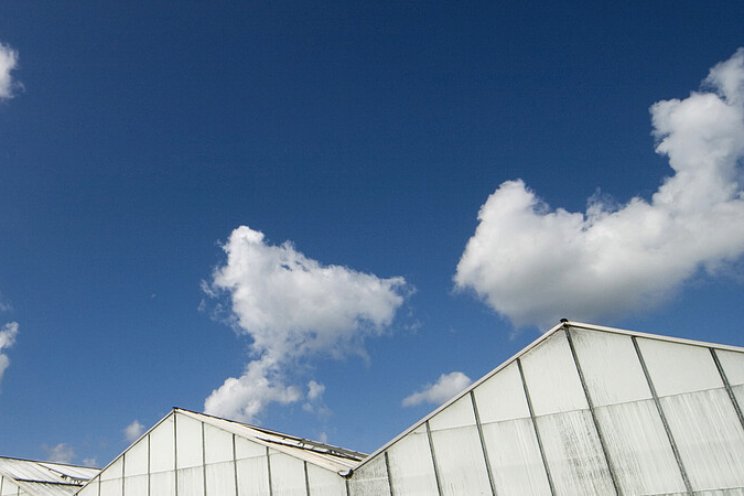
(739, 395)
(136, 459)
(411, 466)
(709, 437)
(163, 484)
(190, 481)
(501, 397)
(218, 445)
(189, 442)
(552, 379)
(514, 454)
(162, 448)
(371, 479)
(458, 414)
(679, 368)
(10, 489)
(90, 489)
(733, 364)
(135, 485)
(114, 471)
(461, 462)
(221, 479)
(612, 371)
(574, 454)
(324, 482)
(639, 448)
(112, 487)
(248, 449)
(253, 476)
(287, 475)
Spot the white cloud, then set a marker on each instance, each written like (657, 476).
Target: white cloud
(90, 462)
(133, 431)
(445, 388)
(8, 62)
(293, 308)
(60, 453)
(8, 334)
(535, 265)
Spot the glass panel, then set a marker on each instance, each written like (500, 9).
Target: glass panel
(91, 489)
(733, 364)
(287, 475)
(10, 489)
(114, 471)
(111, 487)
(679, 368)
(552, 379)
(371, 479)
(324, 482)
(411, 466)
(458, 414)
(136, 459)
(739, 395)
(460, 460)
(253, 476)
(221, 479)
(574, 454)
(709, 437)
(639, 448)
(189, 445)
(516, 463)
(162, 484)
(162, 448)
(611, 367)
(248, 449)
(217, 445)
(501, 396)
(191, 481)
(135, 485)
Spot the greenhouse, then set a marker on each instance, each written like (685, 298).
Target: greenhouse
(583, 410)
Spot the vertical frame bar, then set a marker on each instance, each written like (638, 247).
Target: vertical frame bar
(727, 385)
(433, 459)
(482, 438)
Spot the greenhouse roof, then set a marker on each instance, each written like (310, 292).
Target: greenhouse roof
(44, 478)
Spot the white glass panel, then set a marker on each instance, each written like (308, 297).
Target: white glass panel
(135, 485)
(574, 454)
(324, 482)
(114, 471)
(191, 481)
(10, 489)
(253, 476)
(111, 487)
(739, 395)
(189, 442)
(611, 367)
(458, 414)
(136, 459)
(217, 444)
(248, 449)
(514, 454)
(551, 376)
(287, 475)
(501, 396)
(163, 484)
(733, 364)
(411, 466)
(461, 463)
(371, 479)
(709, 437)
(679, 368)
(162, 448)
(221, 479)
(639, 448)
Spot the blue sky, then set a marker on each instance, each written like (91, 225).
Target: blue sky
(136, 140)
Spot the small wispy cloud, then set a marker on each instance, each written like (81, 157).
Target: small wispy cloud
(133, 431)
(442, 390)
(535, 265)
(8, 333)
(294, 309)
(8, 62)
(60, 453)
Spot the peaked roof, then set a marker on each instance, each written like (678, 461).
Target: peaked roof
(563, 325)
(324, 455)
(45, 478)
